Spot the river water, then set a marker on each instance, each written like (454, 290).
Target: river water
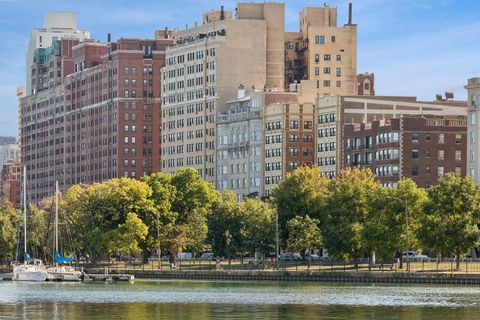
(175, 299)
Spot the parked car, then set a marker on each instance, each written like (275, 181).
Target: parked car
(413, 256)
(184, 255)
(207, 256)
(289, 256)
(313, 256)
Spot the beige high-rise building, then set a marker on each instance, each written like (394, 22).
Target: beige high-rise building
(473, 147)
(322, 57)
(203, 71)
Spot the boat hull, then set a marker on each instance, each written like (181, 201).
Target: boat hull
(30, 276)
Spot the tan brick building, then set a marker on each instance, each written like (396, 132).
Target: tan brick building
(322, 57)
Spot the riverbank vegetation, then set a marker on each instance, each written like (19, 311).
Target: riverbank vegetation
(351, 216)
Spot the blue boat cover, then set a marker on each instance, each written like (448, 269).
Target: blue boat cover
(60, 259)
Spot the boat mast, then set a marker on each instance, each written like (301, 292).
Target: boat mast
(25, 213)
(56, 220)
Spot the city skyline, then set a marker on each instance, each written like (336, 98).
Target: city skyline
(437, 31)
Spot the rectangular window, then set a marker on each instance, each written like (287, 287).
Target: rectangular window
(319, 39)
(326, 83)
(317, 71)
(440, 171)
(441, 138)
(339, 57)
(339, 84)
(339, 72)
(415, 154)
(458, 138)
(333, 38)
(317, 58)
(441, 155)
(458, 155)
(415, 138)
(326, 70)
(458, 171)
(414, 170)
(326, 57)
(293, 124)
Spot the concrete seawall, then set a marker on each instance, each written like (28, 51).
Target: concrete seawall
(353, 277)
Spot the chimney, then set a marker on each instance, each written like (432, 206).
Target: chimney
(350, 13)
(241, 91)
(109, 37)
(166, 33)
(222, 13)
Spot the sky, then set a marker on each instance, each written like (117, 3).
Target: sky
(414, 47)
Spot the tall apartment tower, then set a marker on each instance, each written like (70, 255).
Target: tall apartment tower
(57, 25)
(322, 57)
(203, 71)
(112, 104)
(473, 147)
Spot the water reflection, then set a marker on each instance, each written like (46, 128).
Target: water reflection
(235, 300)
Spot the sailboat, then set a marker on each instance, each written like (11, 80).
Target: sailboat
(31, 269)
(59, 272)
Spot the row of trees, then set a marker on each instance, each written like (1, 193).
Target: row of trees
(352, 216)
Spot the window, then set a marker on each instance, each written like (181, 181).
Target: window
(458, 138)
(326, 70)
(414, 137)
(473, 119)
(339, 84)
(415, 170)
(319, 39)
(333, 38)
(458, 155)
(307, 124)
(326, 83)
(125, 70)
(317, 71)
(293, 124)
(125, 93)
(428, 137)
(458, 171)
(339, 57)
(427, 170)
(415, 154)
(440, 171)
(427, 153)
(326, 57)
(317, 58)
(339, 72)
(441, 138)
(441, 154)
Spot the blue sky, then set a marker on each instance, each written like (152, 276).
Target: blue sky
(414, 47)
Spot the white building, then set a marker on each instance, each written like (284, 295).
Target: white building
(56, 25)
(239, 148)
(473, 129)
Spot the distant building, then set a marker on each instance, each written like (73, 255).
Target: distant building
(203, 70)
(9, 152)
(10, 182)
(7, 140)
(473, 160)
(240, 145)
(322, 57)
(422, 148)
(56, 26)
(366, 84)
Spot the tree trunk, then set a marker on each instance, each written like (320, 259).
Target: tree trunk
(458, 261)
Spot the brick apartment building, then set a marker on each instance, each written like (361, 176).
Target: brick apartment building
(93, 111)
(418, 147)
(112, 105)
(10, 183)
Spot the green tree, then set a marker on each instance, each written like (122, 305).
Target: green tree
(226, 226)
(347, 207)
(302, 193)
(37, 232)
(385, 226)
(259, 226)
(95, 210)
(451, 217)
(127, 236)
(162, 221)
(193, 199)
(304, 235)
(9, 222)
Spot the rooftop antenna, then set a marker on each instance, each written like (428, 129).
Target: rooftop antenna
(350, 13)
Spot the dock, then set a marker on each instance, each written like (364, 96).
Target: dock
(6, 276)
(108, 277)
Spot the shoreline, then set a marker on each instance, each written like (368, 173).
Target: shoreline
(314, 276)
